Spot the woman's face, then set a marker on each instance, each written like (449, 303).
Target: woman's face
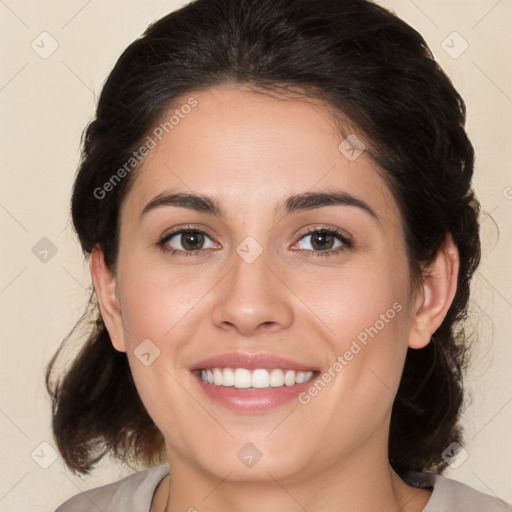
(294, 260)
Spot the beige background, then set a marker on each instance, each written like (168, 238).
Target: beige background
(45, 104)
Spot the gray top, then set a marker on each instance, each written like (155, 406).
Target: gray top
(135, 494)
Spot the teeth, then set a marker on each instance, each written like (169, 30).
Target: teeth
(228, 377)
(217, 376)
(276, 378)
(242, 378)
(289, 378)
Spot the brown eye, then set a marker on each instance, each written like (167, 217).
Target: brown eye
(324, 242)
(192, 240)
(321, 241)
(188, 240)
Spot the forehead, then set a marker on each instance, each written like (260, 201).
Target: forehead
(248, 148)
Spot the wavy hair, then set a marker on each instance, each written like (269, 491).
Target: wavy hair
(375, 71)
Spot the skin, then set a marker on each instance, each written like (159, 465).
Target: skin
(251, 151)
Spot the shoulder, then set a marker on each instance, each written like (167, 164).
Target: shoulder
(452, 496)
(132, 493)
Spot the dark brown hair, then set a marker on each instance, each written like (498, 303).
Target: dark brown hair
(375, 71)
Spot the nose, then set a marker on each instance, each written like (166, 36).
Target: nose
(252, 299)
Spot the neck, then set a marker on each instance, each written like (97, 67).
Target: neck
(362, 481)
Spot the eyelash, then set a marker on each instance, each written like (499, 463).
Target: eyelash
(347, 243)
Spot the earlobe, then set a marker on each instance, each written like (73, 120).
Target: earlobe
(104, 282)
(436, 294)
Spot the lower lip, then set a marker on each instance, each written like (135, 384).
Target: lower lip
(248, 400)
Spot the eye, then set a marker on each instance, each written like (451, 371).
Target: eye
(191, 241)
(324, 241)
(187, 240)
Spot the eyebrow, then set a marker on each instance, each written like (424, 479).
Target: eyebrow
(295, 203)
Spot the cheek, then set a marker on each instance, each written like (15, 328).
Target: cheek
(360, 303)
(155, 300)
(366, 316)
(158, 310)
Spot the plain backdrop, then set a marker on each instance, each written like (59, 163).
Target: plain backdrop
(55, 56)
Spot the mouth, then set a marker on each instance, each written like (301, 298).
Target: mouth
(252, 383)
(260, 378)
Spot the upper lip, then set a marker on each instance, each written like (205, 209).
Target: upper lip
(250, 362)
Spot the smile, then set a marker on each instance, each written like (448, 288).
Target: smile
(260, 378)
(252, 383)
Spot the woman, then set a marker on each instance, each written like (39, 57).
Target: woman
(276, 199)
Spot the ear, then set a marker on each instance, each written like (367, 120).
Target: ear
(434, 298)
(104, 282)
